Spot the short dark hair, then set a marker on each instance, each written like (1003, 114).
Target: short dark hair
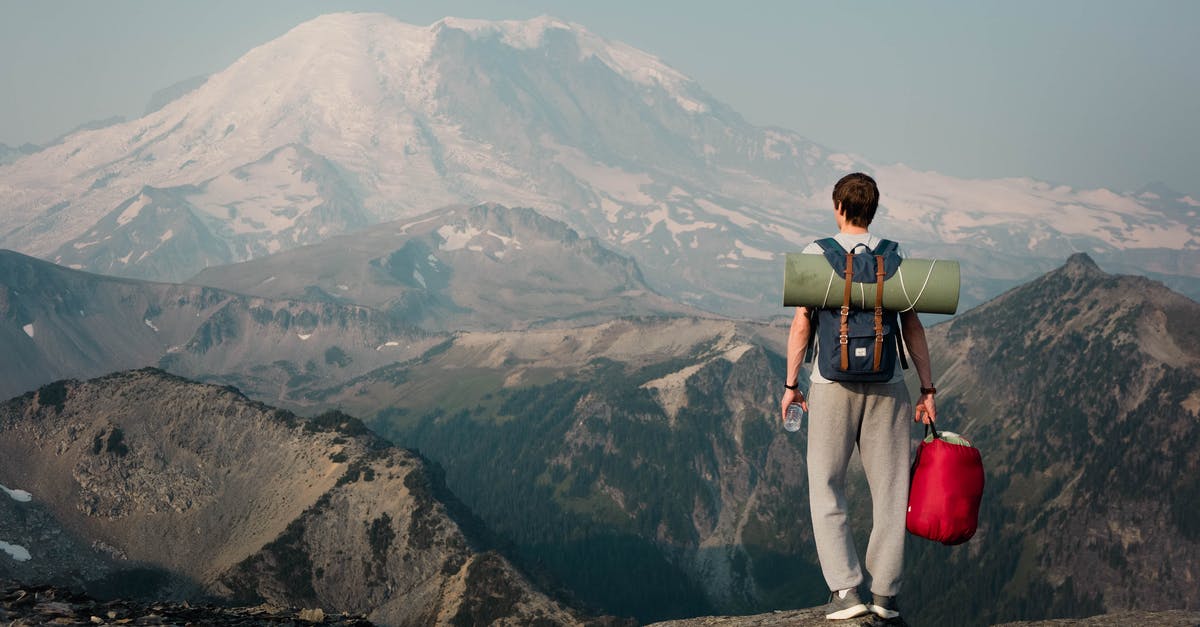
(859, 198)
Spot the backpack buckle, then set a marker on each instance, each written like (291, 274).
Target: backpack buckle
(843, 340)
(845, 310)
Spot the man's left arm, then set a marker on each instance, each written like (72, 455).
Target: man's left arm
(918, 349)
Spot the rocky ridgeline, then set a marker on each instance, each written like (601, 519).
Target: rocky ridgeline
(45, 605)
(175, 490)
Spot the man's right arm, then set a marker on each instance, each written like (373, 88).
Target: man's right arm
(796, 346)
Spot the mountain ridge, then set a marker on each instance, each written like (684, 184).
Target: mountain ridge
(459, 269)
(254, 503)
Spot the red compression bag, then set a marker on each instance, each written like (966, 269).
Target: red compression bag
(946, 488)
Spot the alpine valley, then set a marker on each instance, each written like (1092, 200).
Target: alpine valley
(545, 266)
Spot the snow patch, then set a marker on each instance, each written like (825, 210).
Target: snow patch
(304, 336)
(16, 551)
(624, 187)
(387, 344)
(737, 217)
(150, 324)
(133, 210)
(456, 238)
(841, 162)
(21, 496)
(28, 329)
(459, 237)
(749, 252)
(420, 279)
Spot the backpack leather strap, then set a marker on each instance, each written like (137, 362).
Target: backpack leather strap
(844, 338)
(879, 272)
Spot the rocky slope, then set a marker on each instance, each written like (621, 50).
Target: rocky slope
(217, 495)
(457, 269)
(355, 118)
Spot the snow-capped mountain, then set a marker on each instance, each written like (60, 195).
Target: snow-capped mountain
(401, 119)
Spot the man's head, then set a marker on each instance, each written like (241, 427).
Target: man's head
(857, 197)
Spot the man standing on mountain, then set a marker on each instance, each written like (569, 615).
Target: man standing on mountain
(872, 415)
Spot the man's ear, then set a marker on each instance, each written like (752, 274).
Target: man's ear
(837, 207)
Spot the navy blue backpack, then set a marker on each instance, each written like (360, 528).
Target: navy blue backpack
(859, 345)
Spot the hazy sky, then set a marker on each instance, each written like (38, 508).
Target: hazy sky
(1086, 92)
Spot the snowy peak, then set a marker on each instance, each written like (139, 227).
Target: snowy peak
(627, 61)
(356, 119)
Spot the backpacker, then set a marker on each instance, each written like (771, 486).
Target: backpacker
(859, 345)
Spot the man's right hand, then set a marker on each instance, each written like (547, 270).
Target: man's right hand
(789, 397)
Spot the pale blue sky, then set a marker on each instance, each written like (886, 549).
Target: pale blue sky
(1083, 92)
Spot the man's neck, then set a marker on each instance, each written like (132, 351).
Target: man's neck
(850, 229)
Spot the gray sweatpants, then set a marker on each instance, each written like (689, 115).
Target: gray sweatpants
(877, 417)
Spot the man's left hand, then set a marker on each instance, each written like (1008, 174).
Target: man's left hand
(926, 412)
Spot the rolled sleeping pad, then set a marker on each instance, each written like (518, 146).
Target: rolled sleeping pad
(923, 285)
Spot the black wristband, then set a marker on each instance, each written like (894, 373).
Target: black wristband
(792, 387)
(929, 390)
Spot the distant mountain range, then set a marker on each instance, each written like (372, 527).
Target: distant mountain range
(57, 323)
(354, 119)
(649, 443)
(322, 314)
(467, 268)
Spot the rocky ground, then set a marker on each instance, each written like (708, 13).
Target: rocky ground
(44, 605)
(814, 617)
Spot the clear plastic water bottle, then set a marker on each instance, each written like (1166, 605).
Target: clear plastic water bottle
(791, 419)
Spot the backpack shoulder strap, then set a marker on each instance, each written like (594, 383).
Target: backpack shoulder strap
(829, 244)
(885, 247)
(834, 253)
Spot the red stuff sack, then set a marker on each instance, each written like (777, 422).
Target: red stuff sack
(946, 488)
